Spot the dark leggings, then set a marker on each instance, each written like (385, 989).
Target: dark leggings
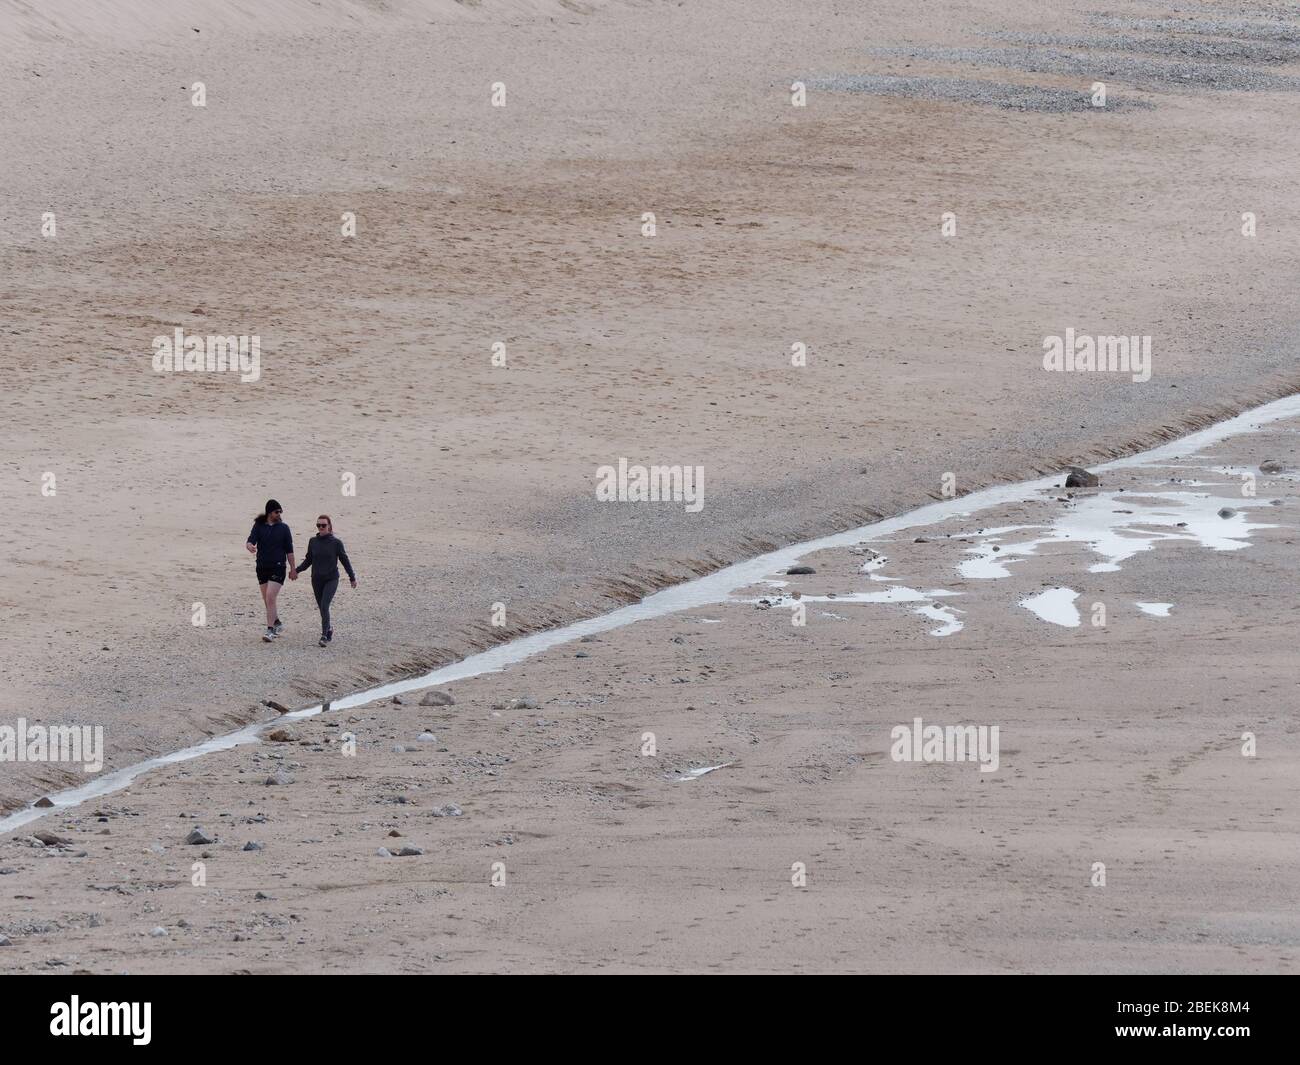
(324, 595)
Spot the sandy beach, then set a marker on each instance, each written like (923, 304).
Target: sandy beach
(645, 799)
(840, 316)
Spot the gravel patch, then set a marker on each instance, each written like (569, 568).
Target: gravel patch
(1209, 27)
(1194, 48)
(1140, 72)
(962, 90)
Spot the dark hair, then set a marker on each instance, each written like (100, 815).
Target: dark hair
(271, 505)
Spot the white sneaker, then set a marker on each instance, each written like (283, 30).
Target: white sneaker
(268, 635)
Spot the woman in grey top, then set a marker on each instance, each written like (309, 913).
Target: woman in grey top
(324, 552)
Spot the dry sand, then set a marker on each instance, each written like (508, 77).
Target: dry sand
(475, 483)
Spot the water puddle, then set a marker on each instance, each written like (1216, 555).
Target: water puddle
(944, 614)
(1055, 605)
(695, 774)
(1116, 526)
(873, 564)
(897, 594)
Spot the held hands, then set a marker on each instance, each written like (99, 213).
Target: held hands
(293, 574)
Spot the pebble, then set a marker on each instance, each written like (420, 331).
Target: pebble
(450, 810)
(251, 846)
(520, 702)
(437, 698)
(198, 836)
(159, 932)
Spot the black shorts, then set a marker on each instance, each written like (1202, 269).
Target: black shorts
(270, 572)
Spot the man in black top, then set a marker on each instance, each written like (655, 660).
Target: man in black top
(273, 543)
(325, 551)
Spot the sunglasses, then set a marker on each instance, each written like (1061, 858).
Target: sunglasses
(322, 525)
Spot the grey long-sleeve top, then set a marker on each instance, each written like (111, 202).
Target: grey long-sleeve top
(326, 552)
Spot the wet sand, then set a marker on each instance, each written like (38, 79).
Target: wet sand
(1120, 743)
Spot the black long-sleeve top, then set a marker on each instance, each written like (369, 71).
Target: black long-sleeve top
(273, 541)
